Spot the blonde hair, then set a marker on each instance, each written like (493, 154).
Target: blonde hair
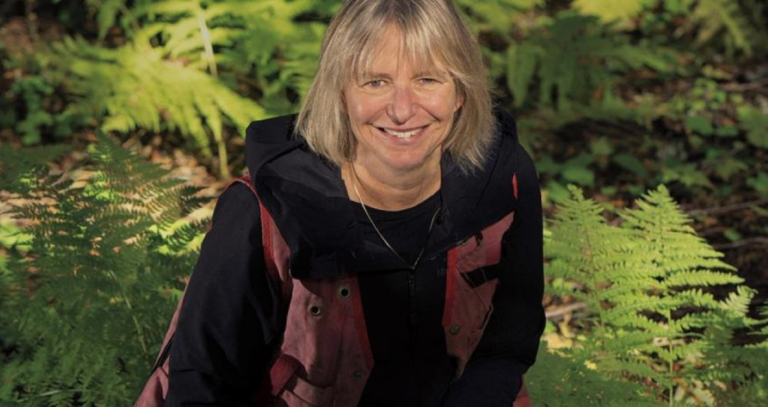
(430, 29)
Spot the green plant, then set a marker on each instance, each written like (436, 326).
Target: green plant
(730, 27)
(646, 283)
(755, 123)
(258, 39)
(84, 307)
(36, 93)
(181, 62)
(495, 16)
(610, 10)
(566, 380)
(152, 94)
(575, 60)
(724, 19)
(575, 170)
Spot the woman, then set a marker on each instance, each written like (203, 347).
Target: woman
(413, 221)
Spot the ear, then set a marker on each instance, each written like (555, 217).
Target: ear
(459, 99)
(458, 104)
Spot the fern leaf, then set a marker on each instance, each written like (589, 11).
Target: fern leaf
(715, 16)
(103, 274)
(610, 10)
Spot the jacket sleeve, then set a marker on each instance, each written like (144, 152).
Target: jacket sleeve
(222, 344)
(510, 342)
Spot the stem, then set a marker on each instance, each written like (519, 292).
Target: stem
(207, 44)
(223, 163)
(593, 279)
(209, 58)
(670, 359)
(127, 13)
(139, 330)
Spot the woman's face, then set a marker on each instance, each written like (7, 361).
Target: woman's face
(400, 115)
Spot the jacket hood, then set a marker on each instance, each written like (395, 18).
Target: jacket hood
(308, 201)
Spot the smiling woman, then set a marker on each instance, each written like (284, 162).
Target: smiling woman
(393, 254)
(400, 119)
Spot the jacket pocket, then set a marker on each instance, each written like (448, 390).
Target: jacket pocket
(475, 335)
(290, 389)
(298, 392)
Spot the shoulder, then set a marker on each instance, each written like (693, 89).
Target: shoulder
(506, 126)
(507, 145)
(237, 205)
(505, 154)
(273, 129)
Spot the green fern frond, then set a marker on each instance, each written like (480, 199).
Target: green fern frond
(155, 95)
(610, 10)
(713, 17)
(18, 171)
(566, 380)
(575, 59)
(647, 283)
(495, 15)
(692, 277)
(102, 273)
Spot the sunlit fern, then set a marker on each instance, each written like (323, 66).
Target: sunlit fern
(132, 87)
(84, 306)
(645, 283)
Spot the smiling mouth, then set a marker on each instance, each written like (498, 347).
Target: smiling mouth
(402, 134)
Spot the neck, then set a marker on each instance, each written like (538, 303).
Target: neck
(390, 191)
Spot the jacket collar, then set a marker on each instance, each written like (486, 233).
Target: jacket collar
(308, 200)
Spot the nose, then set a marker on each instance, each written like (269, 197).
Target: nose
(403, 105)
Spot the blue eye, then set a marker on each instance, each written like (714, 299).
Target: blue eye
(375, 83)
(428, 81)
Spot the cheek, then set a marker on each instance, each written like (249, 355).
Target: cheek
(360, 110)
(443, 108)
(444, 104)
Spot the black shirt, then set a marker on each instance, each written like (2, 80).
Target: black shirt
(403, 311)
(227, 330)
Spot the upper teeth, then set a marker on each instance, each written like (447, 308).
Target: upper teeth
(404, 134)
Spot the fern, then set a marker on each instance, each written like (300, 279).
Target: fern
(755, 122)
(496, 16)
(153, 94)
(574, 59)
(184, 59)
(259, 39)
(566, 380)
(645, 284)
(91, 298)
(723, 18)
(610, 10)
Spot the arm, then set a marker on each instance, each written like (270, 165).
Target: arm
(510, 342)
(222, 345)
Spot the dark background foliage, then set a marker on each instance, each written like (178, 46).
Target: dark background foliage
(121, 119)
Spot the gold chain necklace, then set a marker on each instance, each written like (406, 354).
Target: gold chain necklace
(378, 232)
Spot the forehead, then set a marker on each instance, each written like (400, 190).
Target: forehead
(395, 50)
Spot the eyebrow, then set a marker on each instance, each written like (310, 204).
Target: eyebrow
(368, 75)
(432, 72)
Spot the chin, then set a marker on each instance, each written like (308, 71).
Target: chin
(407, 165)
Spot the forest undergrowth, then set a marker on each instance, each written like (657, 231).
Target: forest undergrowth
(121, 121)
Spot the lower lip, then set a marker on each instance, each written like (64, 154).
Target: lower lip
(408, 140)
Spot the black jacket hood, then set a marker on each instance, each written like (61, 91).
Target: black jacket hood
(308, 201)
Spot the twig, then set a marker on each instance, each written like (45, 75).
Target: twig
(740, 87)
(566, 309)
(727, 208)
(740, 243)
